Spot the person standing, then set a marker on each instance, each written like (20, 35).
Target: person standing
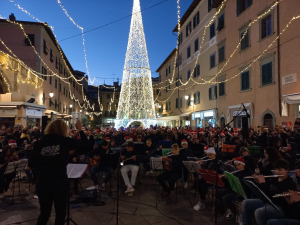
(50, 158)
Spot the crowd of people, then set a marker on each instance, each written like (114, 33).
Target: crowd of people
(274, 168)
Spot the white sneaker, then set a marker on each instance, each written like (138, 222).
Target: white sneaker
(229, 214)
(92, 188)
(129, 190)
(199, 206)
(186, 185)
(130, 194)
(151, 171)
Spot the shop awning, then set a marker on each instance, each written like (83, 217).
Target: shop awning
(292, 98)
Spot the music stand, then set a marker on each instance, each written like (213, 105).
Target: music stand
(211, 177)
(14, 167)
(235, 184)
(74, 171)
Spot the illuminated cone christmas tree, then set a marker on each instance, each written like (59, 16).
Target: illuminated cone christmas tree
(136, 100)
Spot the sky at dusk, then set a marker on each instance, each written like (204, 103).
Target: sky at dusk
(105, 47)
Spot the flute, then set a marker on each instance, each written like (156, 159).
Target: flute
(264, 176)
(282, 195)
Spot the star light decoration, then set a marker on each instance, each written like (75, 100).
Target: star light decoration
(136, 100)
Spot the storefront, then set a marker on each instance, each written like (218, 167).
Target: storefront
(204, 118)
(237, 113)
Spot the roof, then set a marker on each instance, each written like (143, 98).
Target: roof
(49, 32)
(186, 15)
(166, 60)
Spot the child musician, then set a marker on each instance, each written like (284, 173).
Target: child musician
(184, 153)
(274, 186)
(227, 196)
(172, 175)
(200, 183)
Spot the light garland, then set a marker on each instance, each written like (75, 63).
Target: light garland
(246, 68)
(136, 100)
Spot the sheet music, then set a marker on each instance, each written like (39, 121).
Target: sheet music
(196, 166)
(156, 163)
(16, 166)
(194, 159)
(76, 170)
(189, 166)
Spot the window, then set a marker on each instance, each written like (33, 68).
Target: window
(31, 39)
(180, 102)
(188, 74)
(188, 28)
(196, 45)
(197, 97)
(108, 96)
(166, 89)
(44, 71)
(45, 49)
(266, 26)
(210, 2)
(221, 89)
(188, 52)
(60, 66)
(64, 90)
(117, 96)
(197, 71)
(180, 38)
(166, 72)
(169, 69)
(212, 30)
(44, 98)
(50, 80)
(221, 54)
(242, 5)
(177, 103)
(213, 92)
(55, 103)
(180, 60)
(245, 81)
(56, 83)
(267, 73)
(169, 105)
(60, 87)
(221, 22)
(196, 20)
(245, 43)
(188, 101)
(56, 63)
(51, 55)
(213, 60)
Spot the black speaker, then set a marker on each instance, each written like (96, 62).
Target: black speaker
(245, 128)
(44, 123)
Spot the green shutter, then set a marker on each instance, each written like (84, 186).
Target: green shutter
(238, 5)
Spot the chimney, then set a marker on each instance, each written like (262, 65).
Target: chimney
(12, 17)
(116, 84)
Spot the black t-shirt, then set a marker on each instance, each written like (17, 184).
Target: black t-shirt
(129, 154)
(177, 164)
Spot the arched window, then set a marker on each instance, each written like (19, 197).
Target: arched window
(268, 120)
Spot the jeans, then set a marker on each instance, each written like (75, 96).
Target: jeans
(283, 222)
(262, 213)
(228, 198)
(52, 191)
(134, 171)
(169, 176)
(5, 181)
(102, 168)
(201, 187)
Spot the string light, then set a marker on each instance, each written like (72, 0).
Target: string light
(136, 100)
(246, 68)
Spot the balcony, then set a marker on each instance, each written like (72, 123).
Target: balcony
(45, 50)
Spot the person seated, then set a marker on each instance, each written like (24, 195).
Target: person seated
(227, 195)
(264, 212)
(184, 153)
(5, 179)
(249, 160)
(172, 175)
(198, 148)
(149, 150)
(130, 164)
(98, 163)
(200, 183)
(266, 165)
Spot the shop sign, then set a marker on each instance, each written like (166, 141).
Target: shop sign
(9, 112)
(239, 113)
(33, 112)
(292, 78)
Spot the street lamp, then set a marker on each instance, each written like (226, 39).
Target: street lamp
(71, 106)
(51, 94)
(186, 97)
(80, 110)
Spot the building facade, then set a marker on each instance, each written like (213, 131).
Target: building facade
(69, 94)
(191, 102)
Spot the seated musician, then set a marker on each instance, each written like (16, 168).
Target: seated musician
(198, 148)
(97, 165)
(274, 186)
(184, 153)
(227, 195)
(200, 183)
(249, 160)
(131, 164)
(172, 175)
(266, 165)
(5, 179)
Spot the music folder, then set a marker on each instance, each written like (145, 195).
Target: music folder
(189, 166)
(16, 166)
(76, 170)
